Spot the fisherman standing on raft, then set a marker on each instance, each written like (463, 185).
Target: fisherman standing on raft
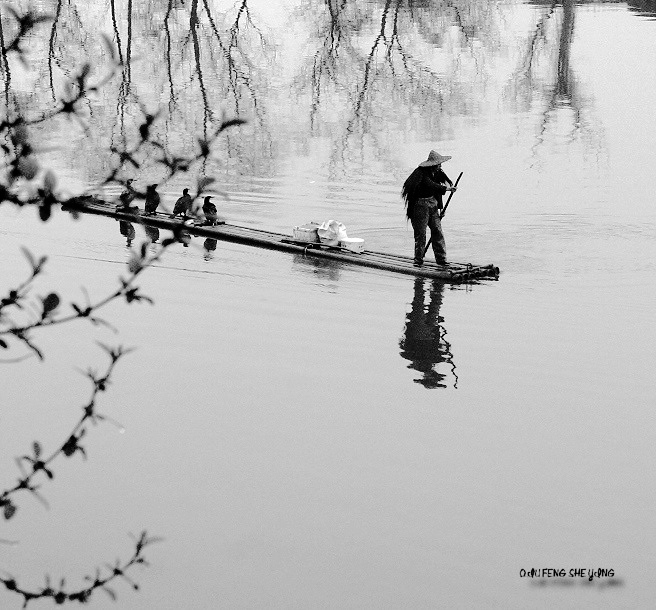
(422, 192)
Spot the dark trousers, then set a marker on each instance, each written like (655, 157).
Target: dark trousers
(426, 214)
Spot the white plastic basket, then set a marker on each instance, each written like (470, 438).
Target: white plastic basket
(355, 244)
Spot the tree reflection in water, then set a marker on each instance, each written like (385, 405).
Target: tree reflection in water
(125, 88)
(365, 76)
(6, 72)
(424, 340)
(555, 90)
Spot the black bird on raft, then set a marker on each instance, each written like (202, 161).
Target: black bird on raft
(127, 197)
(152, 199)
(183, 204)
(209, 209)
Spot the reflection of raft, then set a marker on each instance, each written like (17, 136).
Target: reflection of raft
(452, 272)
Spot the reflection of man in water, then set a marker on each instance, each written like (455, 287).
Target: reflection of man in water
(424, 338)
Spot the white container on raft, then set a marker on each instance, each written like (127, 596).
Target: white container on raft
(355, 244)
(331, 232)
(307, 232)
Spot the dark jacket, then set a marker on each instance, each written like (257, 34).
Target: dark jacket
(422, 183)
(432, 185)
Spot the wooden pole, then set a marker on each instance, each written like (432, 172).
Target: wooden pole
(443, 211)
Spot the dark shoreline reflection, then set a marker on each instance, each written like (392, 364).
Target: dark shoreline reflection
(643, 8)
(424, 340)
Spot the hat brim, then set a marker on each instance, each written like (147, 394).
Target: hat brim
(430, 162)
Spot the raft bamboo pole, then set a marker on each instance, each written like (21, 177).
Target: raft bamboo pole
(279, 241)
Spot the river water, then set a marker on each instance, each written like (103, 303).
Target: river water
(312, 435)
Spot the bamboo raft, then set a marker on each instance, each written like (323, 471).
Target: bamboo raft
(451, 272)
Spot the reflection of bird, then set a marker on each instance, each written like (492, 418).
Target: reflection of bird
(152, 199)
(127, 231)
(209, 209)
(152, 233)
(209, 245)
(182, 205)
(128, 194)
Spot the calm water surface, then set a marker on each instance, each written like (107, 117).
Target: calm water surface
(311, 435)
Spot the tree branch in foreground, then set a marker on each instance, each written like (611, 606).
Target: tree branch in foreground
(101, 580)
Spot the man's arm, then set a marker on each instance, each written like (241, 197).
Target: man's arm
(437, 187)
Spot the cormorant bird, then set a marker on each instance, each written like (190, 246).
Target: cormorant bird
(209, 209)
(152, 199)
(182, 205)
(128, 195)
